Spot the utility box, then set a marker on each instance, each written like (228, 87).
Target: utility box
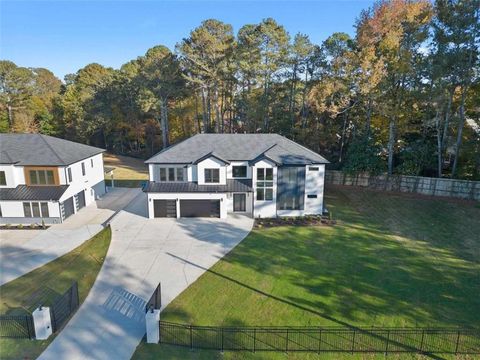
(152, 321)
(42, 323)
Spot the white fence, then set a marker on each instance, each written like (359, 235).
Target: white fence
(463, 189)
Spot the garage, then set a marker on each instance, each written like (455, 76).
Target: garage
(200, 208)
(80, 200)
(165, 208)
(68, 207)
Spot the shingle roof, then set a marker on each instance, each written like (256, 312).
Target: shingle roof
(233, 147)
(233, 185)
(23, 192)
(42, 150)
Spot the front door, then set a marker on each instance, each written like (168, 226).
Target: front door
(239, 202)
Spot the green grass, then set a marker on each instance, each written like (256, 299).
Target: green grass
(392, 260)
(20, 295)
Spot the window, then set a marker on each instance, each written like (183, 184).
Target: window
(239, 171)
(44, 207)
(314, 196)
(41, 177)
(291, 188)
(265, 184)
(83, 169)
(212, 175)
(69, 171)
(91, 163)
(172, 174)
(313, 168)
(163, 174)
(3, 179)
(179, 174)
(27, 212)
(35, 209)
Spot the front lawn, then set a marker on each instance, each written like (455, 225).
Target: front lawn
(20, 295)
(391, 260)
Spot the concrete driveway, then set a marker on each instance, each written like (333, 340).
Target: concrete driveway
(22, 251)
(111, 321)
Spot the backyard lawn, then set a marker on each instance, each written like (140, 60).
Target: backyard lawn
(391, 260)
(43, 284)
(129, 171)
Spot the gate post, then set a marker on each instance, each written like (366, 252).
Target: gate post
(152, 320)
(42, 323)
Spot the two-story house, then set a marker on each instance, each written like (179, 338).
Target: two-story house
(43, 178)
(211, 175)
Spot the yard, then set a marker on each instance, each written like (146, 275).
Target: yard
(129, 171)
(391, 260)
(22, 294)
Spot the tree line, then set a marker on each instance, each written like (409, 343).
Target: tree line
(400, 96)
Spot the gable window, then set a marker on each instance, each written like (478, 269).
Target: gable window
(212, 175)
(3, 179)
(171, 174)
(264, 184)
(83, 169)
(239, 171)
(69, 171)
(41, 177)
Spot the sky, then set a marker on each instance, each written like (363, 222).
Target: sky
(64, 36)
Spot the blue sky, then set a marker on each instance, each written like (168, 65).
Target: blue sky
(64, 36)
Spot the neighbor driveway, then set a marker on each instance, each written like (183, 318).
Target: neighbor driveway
(22, 251)
(143, 252)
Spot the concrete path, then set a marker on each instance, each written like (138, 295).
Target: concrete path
(22, 251)
(143, 252)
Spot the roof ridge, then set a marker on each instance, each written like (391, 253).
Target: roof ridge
(51, 148)
(297, 144)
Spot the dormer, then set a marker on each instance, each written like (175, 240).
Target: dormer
(211, 170)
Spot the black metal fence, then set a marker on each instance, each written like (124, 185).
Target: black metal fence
(352, 340)
(21, 326)
(155, 301)
(63, 307)
(17, 327)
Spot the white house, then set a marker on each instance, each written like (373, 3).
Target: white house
(211, 175)
(47, 179)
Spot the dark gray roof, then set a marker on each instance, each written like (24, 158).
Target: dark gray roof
(233, 147)
(233, 185)
(42, 150)
(23, 192)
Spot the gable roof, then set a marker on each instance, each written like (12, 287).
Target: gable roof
(42, 150)
(238, 147)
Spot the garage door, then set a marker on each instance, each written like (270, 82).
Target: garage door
(165, 208)
(80, 200)
(200, 208)
(67, 206)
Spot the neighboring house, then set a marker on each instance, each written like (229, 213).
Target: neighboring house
(211, 175)
(46, 178)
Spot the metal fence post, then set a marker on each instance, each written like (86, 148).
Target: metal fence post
(286, 343)
(388, 340)
(458, 340)
(191, 338)
(254, 338)
(353, 340)
(319, 340)
(221, 330)
(421, 343)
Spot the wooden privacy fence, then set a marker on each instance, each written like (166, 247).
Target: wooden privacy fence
(22, 327)
(414, 184)
(316, 339)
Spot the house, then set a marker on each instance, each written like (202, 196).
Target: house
(43, 178)
(212, 175)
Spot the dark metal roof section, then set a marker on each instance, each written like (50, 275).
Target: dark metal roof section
(233, 185)
(23, 192)
(238, 147)
(42, 150)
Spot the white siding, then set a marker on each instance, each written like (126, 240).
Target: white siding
(314, 185)
(12, 211)
(211, 163)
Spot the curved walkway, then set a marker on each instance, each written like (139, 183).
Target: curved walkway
(22, 251)
(143, 252)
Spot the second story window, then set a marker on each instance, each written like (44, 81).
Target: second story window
(212, 175)
(41, 177)
(83, 169)
(239, 171)
(3, 179)
(69, 172)
(172, 174)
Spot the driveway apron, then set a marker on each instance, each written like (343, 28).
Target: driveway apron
(143, 252)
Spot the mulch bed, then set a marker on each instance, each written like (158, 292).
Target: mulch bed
(311, 220)
(24, 227)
